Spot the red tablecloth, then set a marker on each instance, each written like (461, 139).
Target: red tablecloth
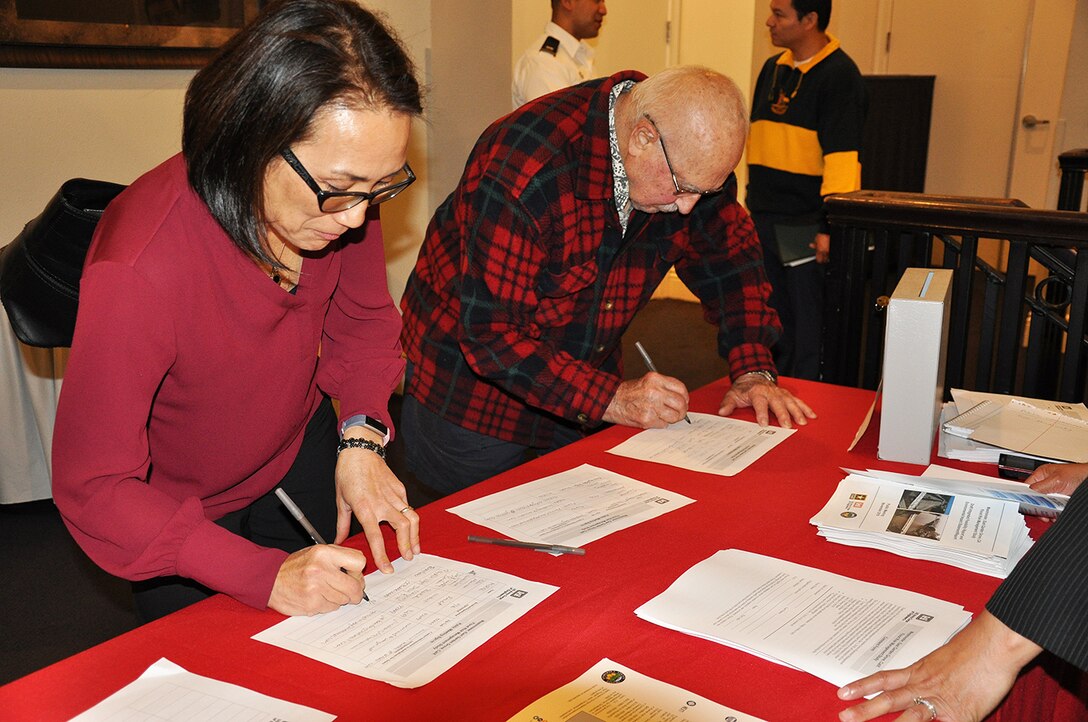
(764, 509)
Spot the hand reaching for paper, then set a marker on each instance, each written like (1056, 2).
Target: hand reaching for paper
(1057, 478)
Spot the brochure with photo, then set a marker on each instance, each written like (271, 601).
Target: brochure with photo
(983, 535)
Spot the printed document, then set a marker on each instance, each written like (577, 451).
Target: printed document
(710, 443)
(973, 532)
(167, 693)
(421, 621)
(611, 692)
(571, 508)
(1035, 427)
(836, 628)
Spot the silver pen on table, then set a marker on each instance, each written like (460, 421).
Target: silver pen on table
(650, 365)
(301, 519)
(535, 546)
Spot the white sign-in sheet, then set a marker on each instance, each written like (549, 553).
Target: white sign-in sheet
(166, 692)
(836, 628)
(421, 620)
(572, 507)
(710, 443)
(611, 692)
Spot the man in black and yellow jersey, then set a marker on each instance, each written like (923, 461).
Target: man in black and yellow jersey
(807, 116)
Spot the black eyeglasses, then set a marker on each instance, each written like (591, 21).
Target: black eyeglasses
(336, 201)
(680, 190)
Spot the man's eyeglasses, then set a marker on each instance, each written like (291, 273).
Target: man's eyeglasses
(336, 201)
(680, 190)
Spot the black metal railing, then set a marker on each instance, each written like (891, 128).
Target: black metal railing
(1073, 165)
(1010, 328)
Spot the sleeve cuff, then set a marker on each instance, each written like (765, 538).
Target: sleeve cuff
(225, 562)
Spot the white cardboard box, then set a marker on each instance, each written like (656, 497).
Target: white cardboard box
(915, 342)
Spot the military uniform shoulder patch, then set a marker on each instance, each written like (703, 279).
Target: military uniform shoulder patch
(550, 46)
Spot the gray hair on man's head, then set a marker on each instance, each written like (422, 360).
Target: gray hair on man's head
(701, 108)
(692, 89)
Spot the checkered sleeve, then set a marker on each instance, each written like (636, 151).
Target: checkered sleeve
(724, 268)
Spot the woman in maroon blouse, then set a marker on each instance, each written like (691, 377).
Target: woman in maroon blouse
(229, 293)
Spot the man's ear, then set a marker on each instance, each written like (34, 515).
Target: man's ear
(642, 137)
(810, 20)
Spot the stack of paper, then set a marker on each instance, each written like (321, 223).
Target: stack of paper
(951, 446)
(943, 478)
(1041, 429)
(980, 534)
(836, 628)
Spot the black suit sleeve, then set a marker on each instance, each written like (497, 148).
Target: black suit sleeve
(1045, 598)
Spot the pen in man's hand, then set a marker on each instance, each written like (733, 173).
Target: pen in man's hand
(301, 519)
(535, 546)
(650, 365)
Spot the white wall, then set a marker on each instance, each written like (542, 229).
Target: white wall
(1072, 124)
(116, 124)
(59, 124)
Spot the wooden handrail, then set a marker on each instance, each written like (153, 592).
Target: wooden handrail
(876, 235)
(982, 217)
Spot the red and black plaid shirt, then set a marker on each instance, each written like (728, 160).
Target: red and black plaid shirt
(526, 282)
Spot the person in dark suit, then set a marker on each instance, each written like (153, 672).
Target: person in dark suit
(1043, 605)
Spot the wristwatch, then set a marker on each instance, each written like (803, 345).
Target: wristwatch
(765, 374)
(369, 422)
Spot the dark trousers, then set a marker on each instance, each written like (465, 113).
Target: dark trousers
(797, 294)
(446, 458)
(310, 482)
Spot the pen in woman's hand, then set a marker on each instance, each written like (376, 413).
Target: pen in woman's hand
(301, 519)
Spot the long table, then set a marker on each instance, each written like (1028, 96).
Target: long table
(764, 509)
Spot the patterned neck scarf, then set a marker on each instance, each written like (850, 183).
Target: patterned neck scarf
(621, 186)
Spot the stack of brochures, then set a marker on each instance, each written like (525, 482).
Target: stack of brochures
(928, 518)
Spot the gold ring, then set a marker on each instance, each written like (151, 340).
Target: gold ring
(407, 508)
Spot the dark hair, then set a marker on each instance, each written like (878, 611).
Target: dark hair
(260, 93)
(822, 8)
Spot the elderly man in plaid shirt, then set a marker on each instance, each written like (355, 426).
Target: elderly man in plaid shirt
(569, 213)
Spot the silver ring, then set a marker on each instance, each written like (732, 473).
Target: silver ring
(407, 508)
(928, 705)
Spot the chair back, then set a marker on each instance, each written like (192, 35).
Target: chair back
(41, 268)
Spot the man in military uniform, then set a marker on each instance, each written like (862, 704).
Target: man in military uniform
(560, 57)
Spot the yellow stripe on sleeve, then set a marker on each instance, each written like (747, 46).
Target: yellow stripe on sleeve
(842, 173)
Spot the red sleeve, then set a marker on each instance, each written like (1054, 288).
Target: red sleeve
(361, 359)
(124, 346)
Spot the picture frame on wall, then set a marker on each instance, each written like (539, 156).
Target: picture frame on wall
(118, 33)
